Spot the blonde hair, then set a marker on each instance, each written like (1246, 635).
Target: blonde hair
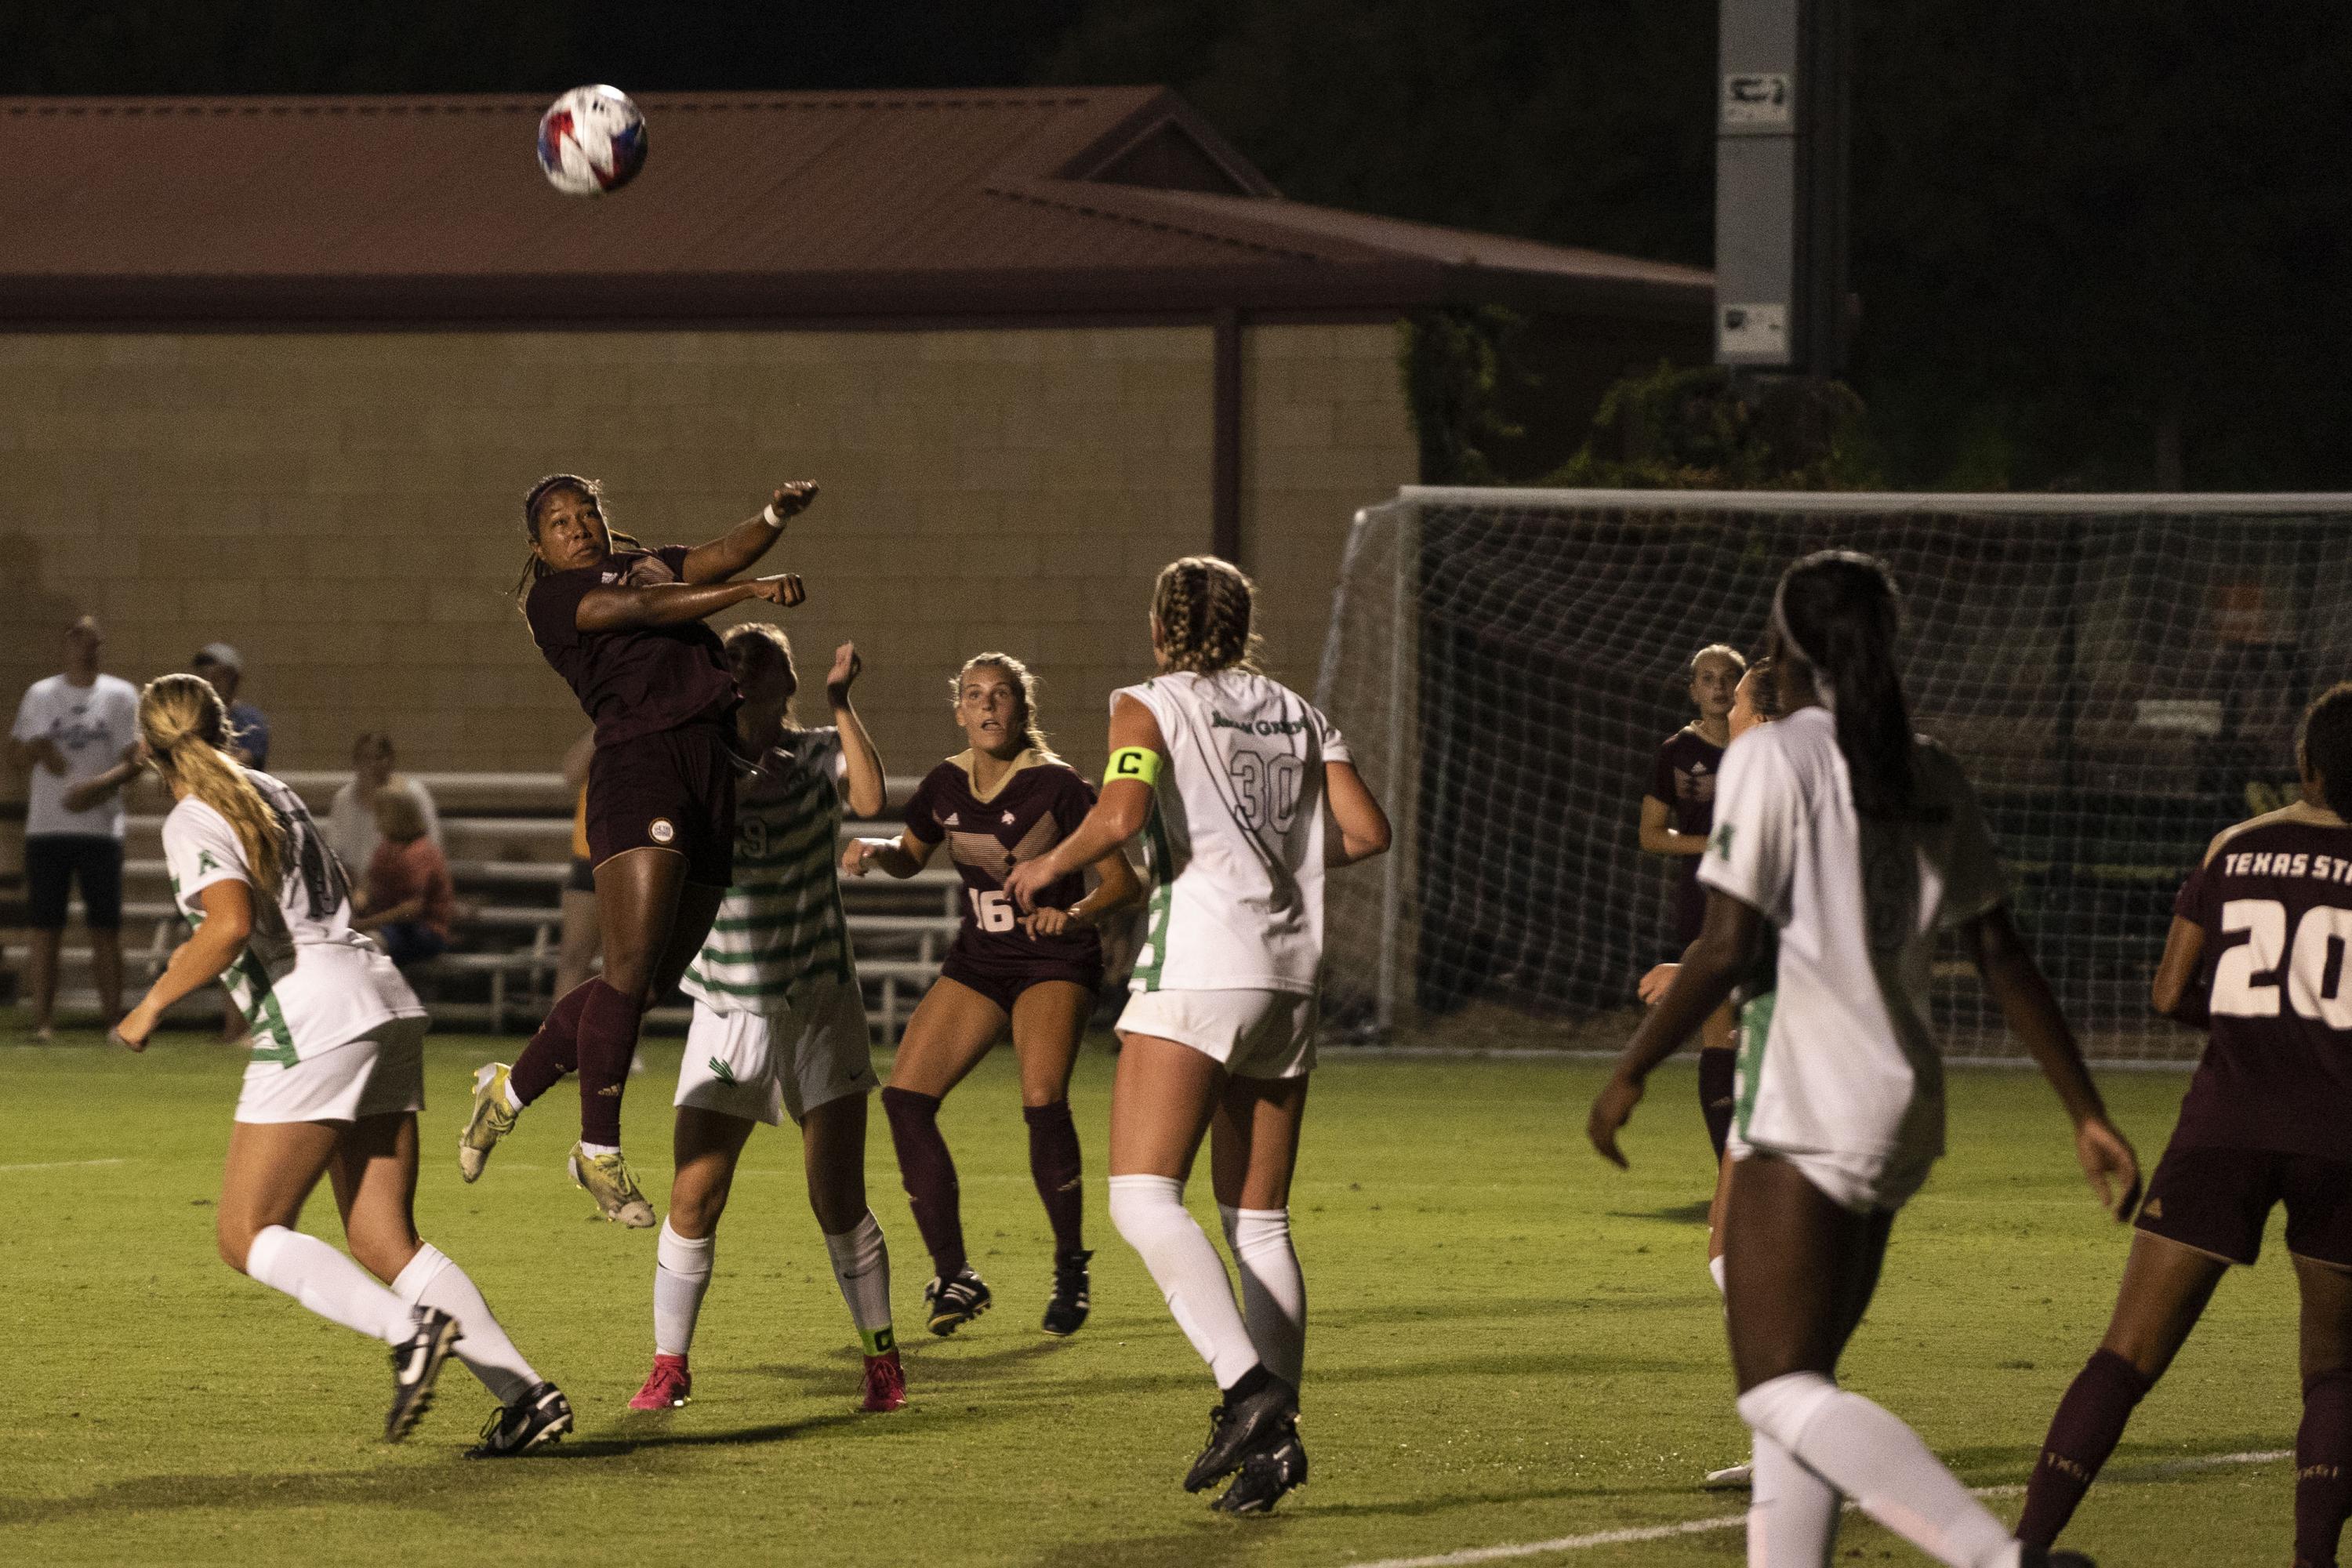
(1023, 683)
(185, 723)
(1716, 650)
(1203, 607)
(769, 632)
(533, 568)
(398, 816)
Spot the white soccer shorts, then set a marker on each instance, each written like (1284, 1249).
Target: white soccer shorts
(382, 1074)
(1250, 1034)
(763, 1067)
(1859, 1184)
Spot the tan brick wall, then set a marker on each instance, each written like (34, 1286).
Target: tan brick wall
(1325, 431)
(343, 508)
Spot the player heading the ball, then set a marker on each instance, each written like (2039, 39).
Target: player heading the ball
(624, 626)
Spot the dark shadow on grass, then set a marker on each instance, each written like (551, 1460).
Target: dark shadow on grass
(1215, 1540)
(660, 1433)
(1680, 1214)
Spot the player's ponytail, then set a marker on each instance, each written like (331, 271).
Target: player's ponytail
(1024, 684)
(184, 722)
(1203, 607)
(2324, 746)
(1836, 612)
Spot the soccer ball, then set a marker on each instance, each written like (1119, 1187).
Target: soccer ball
(591, 141)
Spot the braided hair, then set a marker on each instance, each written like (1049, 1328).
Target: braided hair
(1023, 682)
(185, 726)
(1836, 613)
(2324, 747)
(1202, 607)
(533, 568)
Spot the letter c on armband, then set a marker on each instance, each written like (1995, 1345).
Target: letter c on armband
(1141, 763)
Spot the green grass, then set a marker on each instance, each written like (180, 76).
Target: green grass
(1508, 1342)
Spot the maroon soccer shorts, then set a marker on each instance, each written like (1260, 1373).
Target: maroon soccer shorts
(1002, 984)
(2217, 1200)
(674, 789)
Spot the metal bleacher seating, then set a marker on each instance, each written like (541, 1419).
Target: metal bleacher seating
(508, 837)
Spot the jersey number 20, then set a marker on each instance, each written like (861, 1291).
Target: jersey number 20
(2322, 950)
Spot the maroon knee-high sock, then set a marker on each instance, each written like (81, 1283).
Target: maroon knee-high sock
(2089, 1422)
(1053, 1166)
(2323, 1469)
(929, 1174)
(553, 1051)
(608, 1040)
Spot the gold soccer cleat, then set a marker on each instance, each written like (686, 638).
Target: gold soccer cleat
(608, 1179)
(490, 1120)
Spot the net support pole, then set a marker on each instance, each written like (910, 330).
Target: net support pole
(1403, 756)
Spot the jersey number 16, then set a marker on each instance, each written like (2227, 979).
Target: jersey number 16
(2322, 941)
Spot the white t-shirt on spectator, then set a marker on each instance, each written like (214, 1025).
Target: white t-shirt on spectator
(93, 725)
(351, 826)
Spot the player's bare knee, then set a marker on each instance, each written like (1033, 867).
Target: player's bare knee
(234, 1234)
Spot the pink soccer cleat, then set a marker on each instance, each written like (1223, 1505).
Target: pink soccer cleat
(886, 1382)
(667, 1386)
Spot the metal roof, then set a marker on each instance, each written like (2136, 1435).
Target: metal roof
(781, 206)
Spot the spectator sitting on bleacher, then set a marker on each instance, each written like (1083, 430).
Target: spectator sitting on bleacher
(351, 821)
(222, 667)
(408, 900)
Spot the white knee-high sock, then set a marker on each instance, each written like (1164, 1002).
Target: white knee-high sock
(432, 1280)
(682, 1276)
(1792, 1513)
(1149, 1213)
(861, 1267)
(1882, 1465)
(1274, 1291)
(1715, 1273)
(327, 1282)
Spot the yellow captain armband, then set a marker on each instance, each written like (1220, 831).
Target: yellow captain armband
(1141, 763)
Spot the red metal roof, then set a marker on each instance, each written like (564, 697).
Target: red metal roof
(752, 206)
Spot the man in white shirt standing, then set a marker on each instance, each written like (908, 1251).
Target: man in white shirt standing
(78, 735)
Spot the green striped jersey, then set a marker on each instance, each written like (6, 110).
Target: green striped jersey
(781, 921)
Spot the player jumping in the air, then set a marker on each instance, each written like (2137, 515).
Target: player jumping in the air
(625, 628)
(1006, 800)
(778, 1022)
(1678, 813)
(335, 1083)
(1229, 777)
(1858, 842)
(2261, 949)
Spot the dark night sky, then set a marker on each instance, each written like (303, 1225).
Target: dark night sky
(2084, 235)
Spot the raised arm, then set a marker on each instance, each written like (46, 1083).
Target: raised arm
(867, 795)
(1119, 816)
(621, 607)
(735, 550)
(2017, 986)
(198, 962)
(1363, 826)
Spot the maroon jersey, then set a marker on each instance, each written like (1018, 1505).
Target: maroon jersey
(2274, 898)
(1684, 777)
(1035, 807)
(632, 682)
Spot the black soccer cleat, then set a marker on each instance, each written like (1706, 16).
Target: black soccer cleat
(2041, 1557)
(1065, 1310)
(949, 1304)
(416, 1366)
(1240, 1429)
(541, 1415)
(1265, 1476)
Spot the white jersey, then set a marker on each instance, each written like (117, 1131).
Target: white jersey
(1235, 835)
(1847, 1063)
(781, 921)
(306, 981)
(92, 725)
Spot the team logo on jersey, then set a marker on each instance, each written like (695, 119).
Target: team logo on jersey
(949, 820)
(204, 862)
(1006, 819)
(1721, 843)
(662, 830)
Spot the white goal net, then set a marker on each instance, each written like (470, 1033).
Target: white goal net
(2121, 676)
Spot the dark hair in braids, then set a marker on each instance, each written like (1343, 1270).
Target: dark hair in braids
(1202, 606)
(1837, 613)
(533, 568)
(2324, 746)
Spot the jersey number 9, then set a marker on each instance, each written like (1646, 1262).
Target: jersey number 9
(2323, 944)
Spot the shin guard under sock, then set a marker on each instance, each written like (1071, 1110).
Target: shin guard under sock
(928, 1175)
(2084, 1431)
(1053, 1166)
(608, 1040)
(553, 1051)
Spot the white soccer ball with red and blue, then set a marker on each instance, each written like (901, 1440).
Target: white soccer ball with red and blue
(591, 141)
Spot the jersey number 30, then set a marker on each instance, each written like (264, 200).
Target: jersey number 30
(1265, 788)
(2322, 944)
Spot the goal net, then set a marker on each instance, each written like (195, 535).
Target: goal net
(2120, 675)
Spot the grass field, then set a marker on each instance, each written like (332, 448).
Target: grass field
(1508, 1343)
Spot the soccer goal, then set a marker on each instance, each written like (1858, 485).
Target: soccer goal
(2121, 676)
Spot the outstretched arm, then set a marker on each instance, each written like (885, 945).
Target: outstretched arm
(735, 550)
(620, 608)
(199, 961)
(2023, 997)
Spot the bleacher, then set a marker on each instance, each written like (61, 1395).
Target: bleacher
(508, 837)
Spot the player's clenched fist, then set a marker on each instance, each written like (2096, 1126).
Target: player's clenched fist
(791, 500)
(783, 589)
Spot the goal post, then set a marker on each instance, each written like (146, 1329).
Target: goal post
(2120, 675)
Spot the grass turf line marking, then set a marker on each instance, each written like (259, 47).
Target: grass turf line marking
(61, 1165)
(1732, 1521)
